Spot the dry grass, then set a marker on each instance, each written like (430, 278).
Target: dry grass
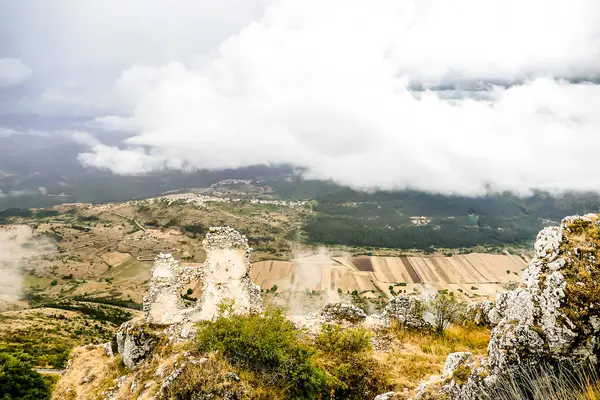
(548, 382)
(415, 356)
(215, 378)
(91, 374)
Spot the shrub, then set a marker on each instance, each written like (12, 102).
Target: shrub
(190, 291)
(352, 372)
(19, 381)
(54, 282)
(267, 345)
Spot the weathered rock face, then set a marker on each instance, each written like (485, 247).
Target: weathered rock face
(134, 343)
(478, 312)
(552, 316)
(224, 275)
(343, 311)
(555, 315)
(407, 310)
(465, 376)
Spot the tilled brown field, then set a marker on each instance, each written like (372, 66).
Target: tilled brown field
(473, 274)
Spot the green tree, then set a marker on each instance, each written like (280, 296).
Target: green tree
(446, 309)
(19, 381)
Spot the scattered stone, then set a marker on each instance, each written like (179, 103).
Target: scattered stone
(232, 376)
(110, 348)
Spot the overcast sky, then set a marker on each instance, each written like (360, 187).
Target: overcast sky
(449, 96)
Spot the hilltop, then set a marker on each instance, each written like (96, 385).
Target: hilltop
(229, 345)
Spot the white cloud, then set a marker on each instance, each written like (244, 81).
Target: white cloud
(13, 72)
(330, 85)
(77, 49)
(6, 132)
(327, 86)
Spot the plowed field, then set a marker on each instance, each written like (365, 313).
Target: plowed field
(474, 274)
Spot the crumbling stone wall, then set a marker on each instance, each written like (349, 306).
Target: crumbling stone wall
(227, 274)
(162, 303)
(224, 275)
(333, 312)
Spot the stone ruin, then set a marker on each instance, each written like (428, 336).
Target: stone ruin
(224, 275)
(554, 317)
(406, 310)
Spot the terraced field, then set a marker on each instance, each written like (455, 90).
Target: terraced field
(473, 274)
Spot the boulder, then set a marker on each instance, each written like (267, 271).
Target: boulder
(135, 343)
(406, 310)
(343, 311)
(478, 312)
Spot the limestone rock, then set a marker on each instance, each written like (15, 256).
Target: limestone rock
(134, 343)
(465, 376)
(408, 311)
(478, 312)
(343, 311)
(555, 315)
(110, 348)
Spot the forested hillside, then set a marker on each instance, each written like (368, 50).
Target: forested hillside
(410, 219)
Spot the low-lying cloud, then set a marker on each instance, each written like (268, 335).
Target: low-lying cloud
(453, 97)
(17, 247)
(329, 86)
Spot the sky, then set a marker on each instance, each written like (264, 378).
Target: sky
(460, 97)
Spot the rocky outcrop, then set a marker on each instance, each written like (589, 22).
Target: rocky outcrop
(554, 317)
(478, 313)
(407, 311)
(464, 376)
(134, 343)
(343, 311)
